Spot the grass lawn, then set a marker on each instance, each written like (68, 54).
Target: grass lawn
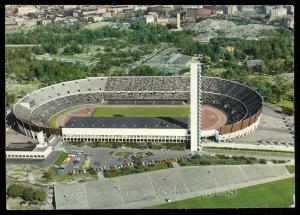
(142, 111)
(248, 151)
(291, 168)
(133, 170)
(130, 111)
(220, 160)
(287, 103)
(61, 158)
(123, 154)
(53, 119)
(277, 194)
(19, 207)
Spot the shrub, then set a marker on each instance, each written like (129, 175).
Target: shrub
(28, 194)
(15, 190)
(281, 161)
(204, 163)
(169, 164)
(40, 195)
(197, 156)
(262, 161)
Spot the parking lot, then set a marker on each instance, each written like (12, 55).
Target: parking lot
(102, 158)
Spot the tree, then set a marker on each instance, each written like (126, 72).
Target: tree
(48, 174)
(28, 194)
(38, 50)
(10, 98)
(15, 190)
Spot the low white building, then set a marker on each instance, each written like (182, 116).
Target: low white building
(27, 151)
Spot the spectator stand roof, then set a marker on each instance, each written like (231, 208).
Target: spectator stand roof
(128, 122)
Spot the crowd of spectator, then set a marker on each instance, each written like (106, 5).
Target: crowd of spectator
(236, 100)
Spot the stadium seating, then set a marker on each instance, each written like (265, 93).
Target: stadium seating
(236, 100)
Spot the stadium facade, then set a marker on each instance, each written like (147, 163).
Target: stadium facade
(241, 104)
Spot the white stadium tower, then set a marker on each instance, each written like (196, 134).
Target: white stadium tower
(195, 74)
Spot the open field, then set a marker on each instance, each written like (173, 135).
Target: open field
(277, 194)
(142, 111)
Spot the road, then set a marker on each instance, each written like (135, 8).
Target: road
(104, 157)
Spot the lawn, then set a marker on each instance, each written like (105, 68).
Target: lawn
(124, 154)
(287, 103)
(133, 170)
(248, 151)
(19, 207)
(61, 158)
(277, 194)
(219, 160)
(291, 168)
(53, 119)
(142, 111)
(130, 111)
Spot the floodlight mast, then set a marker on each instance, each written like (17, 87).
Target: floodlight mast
(195, 75)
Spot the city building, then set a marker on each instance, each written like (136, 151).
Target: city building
(178, 21)
(195, 13)
(278, 12)
(230, 10)
(289, 22)
(149, 19)
(10, 22)
(24, 10)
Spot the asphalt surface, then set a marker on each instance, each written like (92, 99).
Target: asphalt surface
(103, 156)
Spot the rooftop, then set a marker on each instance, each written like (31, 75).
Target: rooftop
(127, 122)
(20, 147)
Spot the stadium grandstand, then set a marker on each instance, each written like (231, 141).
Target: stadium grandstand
(241, 105)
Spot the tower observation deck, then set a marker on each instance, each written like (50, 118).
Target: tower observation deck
(195, 74)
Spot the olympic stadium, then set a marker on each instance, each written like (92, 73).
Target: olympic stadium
(228, 109)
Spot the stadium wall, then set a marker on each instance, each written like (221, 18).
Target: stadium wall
(239, 133)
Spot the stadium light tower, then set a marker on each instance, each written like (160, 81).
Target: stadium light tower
(195, 74)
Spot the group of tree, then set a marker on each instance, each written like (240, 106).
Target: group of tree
(72, 48)
(276, 53)
(19, 62)
(26, 192)
(10, 99)
(145, 70)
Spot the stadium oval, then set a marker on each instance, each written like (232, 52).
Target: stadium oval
(241, 104)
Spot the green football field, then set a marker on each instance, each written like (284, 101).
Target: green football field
(277, 194)
(131, 111)
(142, 111)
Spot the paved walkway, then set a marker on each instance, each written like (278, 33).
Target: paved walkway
(154, 187)
(175, 165)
